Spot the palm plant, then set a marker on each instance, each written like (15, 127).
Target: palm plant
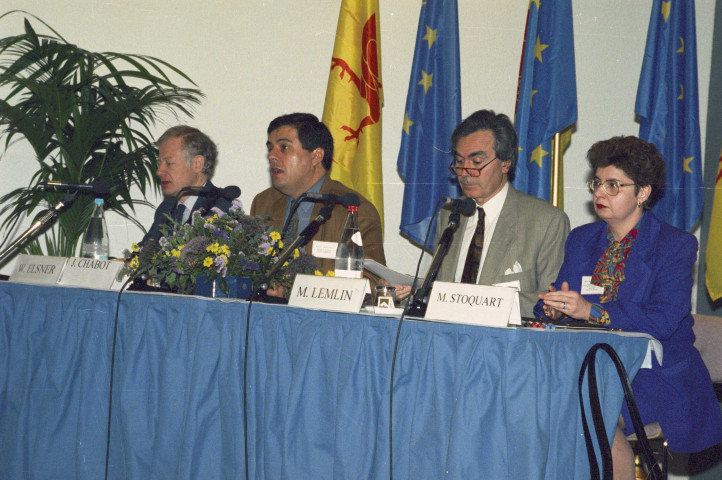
(88, 117)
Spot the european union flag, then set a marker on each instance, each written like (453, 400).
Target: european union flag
(433, 109)
(668, 107)
(547, 100)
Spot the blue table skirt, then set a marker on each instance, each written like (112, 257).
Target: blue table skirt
(469, 402)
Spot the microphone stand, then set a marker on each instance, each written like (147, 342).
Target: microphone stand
(420, 299)
(44, 222)
(299, 242)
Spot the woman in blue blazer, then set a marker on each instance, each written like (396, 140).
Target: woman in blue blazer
(633, 272)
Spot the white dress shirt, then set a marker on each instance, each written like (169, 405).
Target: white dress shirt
(492, 210)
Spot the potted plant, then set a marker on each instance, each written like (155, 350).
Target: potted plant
(88, 118)
(216, 248)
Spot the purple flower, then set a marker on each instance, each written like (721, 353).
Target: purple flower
(236, 205)
(220, 234)
(263, 248)
(218, 212)
(251, 266)
(220, 262)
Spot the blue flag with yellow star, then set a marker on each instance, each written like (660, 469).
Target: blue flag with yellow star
(547, 98)
(668, 107)
(433, 109)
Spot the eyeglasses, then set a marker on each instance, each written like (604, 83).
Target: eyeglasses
(611, 187)
(459, 170)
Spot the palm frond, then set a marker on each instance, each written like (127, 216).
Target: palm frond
(88, 117)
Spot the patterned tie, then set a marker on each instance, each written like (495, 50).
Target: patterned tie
(473, 258)
(178, 212)
(293, 228)
(291, 231)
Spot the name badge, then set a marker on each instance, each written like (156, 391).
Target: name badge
(588, 288)
(324, 249)
(90, 273)
(484, 305)
(329, 293)
(37, 269)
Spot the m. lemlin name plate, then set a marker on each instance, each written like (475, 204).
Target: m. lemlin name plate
(329, 293)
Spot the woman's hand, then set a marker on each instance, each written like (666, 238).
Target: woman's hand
(276, 291)
(402, 291)
(565, 302)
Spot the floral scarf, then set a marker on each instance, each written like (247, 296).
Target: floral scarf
(609, 271)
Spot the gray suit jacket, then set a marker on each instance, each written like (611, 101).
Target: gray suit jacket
(529, 231)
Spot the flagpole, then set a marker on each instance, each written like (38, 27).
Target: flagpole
(556, 153)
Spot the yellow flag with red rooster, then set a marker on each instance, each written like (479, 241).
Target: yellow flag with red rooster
(354, 98)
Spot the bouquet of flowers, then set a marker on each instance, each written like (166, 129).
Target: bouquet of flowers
(219, 245)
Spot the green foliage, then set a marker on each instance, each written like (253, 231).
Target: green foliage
(88, 117)
(220, 245)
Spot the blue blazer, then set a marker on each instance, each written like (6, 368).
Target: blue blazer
(204, 203)
(655, 298)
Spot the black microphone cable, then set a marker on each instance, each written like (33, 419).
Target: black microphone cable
(254, 288)
(396, 345)
(112, 371)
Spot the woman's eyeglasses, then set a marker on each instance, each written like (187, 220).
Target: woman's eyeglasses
(611, 187)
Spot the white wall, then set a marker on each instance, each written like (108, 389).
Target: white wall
(257, 59)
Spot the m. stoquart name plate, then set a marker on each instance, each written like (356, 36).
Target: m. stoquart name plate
(329, 293)
(472, 304)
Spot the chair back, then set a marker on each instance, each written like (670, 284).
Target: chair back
(708, 330)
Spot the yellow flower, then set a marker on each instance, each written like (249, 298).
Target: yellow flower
(296, 254)
(225, 250)
(328, 274)
(175, 252)
(280, 244)
(214, 248)
(134, 246)
(208, 262)
(135, 263)
(285, 264)
(275, 236)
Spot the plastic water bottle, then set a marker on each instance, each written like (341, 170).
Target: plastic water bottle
(350, 251)
(95, 243)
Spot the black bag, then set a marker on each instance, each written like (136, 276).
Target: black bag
(655, 473)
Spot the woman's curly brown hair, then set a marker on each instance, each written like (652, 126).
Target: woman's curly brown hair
(639, 160)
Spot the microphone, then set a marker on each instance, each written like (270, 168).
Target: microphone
(229, 193)
(350, 199)
(464, 205)
(96, 188)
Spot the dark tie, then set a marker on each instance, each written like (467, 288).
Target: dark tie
(291, 231)
(473, 258)
(178, 212)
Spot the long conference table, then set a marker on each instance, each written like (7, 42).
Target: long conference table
(468, 401)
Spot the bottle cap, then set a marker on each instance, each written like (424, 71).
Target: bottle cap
(353, 209)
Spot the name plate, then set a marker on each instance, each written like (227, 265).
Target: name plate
(329, 293)
(471, 304)
(90, 273)
(37, 269)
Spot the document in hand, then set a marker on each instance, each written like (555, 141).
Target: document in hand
(391, 276)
